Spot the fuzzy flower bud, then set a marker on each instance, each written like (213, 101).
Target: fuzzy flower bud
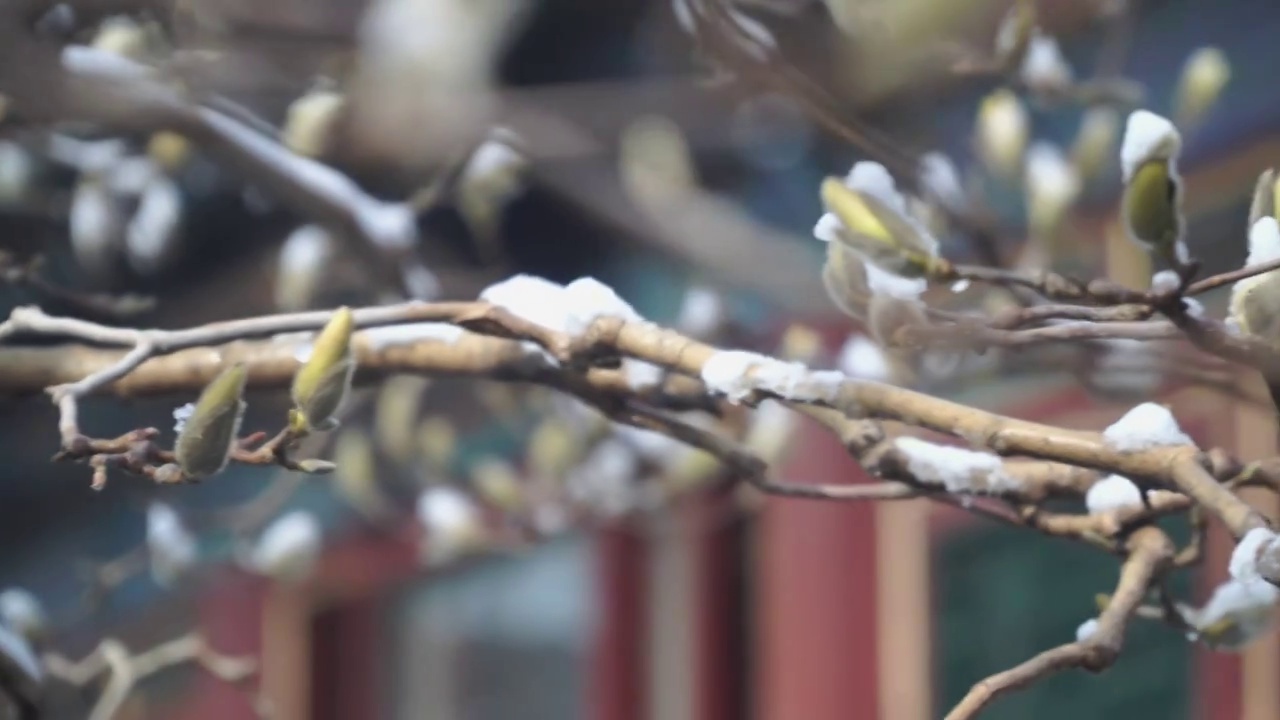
(23, 613)
(321, 384)
(204, 443)
(1003, 133)
(356, 478)
(497, 483)
(1206, 72)
(289, 548)
(172, 548)
(873, 229)
(312, 121)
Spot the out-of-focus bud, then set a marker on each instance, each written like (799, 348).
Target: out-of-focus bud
(97, 224)
(152, 235)
(1265, 194)
(497, 483)
(16, 172)
(551, 449)
(437, 443)
(311, 123)
(800, 343)
(1052, 187)
(1015, 33)
(940, 180)
(451, 524)
(172, 548)
(302, 261)
(24, 614)
(206, 438)
(656, 164)
(321, 384)
(123, 36)
(1206, 72)
(877, 232)
(844, 275)
(289, 548)
(1044, 68)
(1152, 201)
(356, 475)
(1095, 141)
(396, 415)
(491, 179)
(702, 313)
(771, 432)
(169, 150)
(1002, 133)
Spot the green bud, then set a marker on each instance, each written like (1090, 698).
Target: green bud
(1152, 211)
(357, 476)
(876, 231)
(396, 415)
(321, 384)
(550, 451)
(204, 445)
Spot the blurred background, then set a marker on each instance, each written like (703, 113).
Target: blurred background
(657, 166)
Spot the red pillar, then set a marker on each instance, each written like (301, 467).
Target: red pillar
(617, 674)
(816, 618)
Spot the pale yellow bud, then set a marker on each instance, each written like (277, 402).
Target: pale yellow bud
(1205, 74)
(497, 483)
(311, 123)
(1095, 142)
(356, 475)
(551, 449)
(437, 443)
(169, 150)
(800, 342)
(1002, 133)
(396, 415)
(321, 384)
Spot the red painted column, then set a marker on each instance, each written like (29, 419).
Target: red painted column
(715, 532)
(615, 688)
(816, 615)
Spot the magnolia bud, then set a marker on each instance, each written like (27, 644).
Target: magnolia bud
(172, 548)
(490, 180)
(1094, 143)
(169, 150)
(550, 450)
(155, 227)
(311, 123)
(876, 231)
(1003, 133)
(1152, 201)
(321, 384)
(96, 225)
(701, 313)
(844, 275)
(451, 523)
(23, 613)
(205, 441)
(1206, 72)
(497, 483)
(357, 474)
(800, 342)
(289, 548)
(437, 443)
(122, 36)
(1052, 187)
(396, 415)
(301, 262)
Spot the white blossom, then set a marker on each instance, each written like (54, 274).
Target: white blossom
(1264, 241)
(451, 522)
(940, 178)
(1044, 65)
(155, 226)
(701, 312)
(1144, 427)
